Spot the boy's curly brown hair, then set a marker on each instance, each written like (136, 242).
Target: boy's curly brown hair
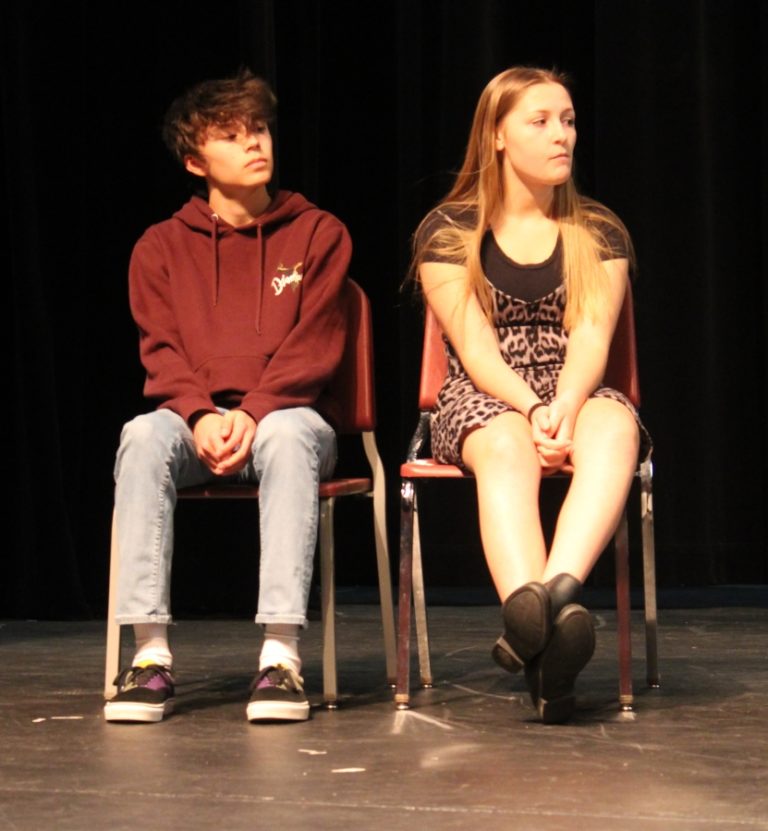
(243, 99)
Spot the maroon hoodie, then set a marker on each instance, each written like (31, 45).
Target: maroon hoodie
(248, 317)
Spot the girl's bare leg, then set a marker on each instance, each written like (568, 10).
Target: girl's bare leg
(605, 447)
(508, 473)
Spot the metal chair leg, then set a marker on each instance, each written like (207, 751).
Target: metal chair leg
(402, 690)
(112, 663)
(420, 603)
(649, 574)
(328, 604)
(382, 555)
(623, 614)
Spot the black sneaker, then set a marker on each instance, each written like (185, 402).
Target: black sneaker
(143, 694)
(277, 695)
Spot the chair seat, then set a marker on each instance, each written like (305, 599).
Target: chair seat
(327, 490)
(344, 487)
(218, 491)
(431, 469)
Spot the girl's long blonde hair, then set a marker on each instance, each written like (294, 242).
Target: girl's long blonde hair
(477, 194)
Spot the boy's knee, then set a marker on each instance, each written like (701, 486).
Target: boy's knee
(151, 432)
(283, 429)
(138, 430)
(293, 439)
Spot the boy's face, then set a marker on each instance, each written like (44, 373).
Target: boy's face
(234, 157)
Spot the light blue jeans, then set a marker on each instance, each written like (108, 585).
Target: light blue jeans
(292, 451)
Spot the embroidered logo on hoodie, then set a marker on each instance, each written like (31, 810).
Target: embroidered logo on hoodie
(288, 277)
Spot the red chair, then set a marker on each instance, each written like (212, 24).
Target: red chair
(353, 391)
(621, 374)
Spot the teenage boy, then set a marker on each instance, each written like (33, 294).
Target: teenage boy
(238, 301)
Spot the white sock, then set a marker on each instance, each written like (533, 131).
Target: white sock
(152, 645)
(281, 646)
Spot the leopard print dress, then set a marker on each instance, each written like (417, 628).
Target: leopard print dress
(533, 343)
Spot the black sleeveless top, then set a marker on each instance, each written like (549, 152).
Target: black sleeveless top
(525, 282)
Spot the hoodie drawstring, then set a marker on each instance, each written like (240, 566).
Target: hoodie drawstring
(259, 262)
(215, 257)
(260, 293)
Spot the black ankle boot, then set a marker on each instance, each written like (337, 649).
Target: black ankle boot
(527, 617)
(563, 589)
(551, 675)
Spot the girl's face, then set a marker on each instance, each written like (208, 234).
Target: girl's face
(535, 139)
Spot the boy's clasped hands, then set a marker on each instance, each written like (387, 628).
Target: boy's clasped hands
(224, 441)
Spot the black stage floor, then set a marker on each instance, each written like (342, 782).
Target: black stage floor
(693, 755)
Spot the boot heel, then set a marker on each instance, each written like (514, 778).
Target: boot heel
(505, 656)
(558, 710)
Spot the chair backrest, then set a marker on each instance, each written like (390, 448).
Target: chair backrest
(621, 372)
(352, 388)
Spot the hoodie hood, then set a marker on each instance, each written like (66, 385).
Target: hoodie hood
(198, 215)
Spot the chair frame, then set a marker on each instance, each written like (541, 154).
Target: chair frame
(621, 374)
(354, 390)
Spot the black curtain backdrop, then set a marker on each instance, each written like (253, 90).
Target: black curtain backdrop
(375, 105)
